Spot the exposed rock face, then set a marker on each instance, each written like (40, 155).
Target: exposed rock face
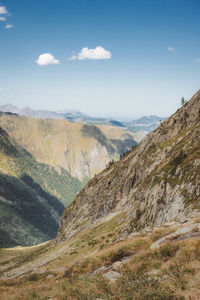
(82, 150)
(157, 182)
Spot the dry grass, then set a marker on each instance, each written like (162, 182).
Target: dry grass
(178, 264)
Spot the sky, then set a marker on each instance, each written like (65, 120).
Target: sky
(114, 58)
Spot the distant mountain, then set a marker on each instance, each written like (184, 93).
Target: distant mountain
(9, 108)
(145, 123)
(77, 116)
(40, 114)
(148, 119)
(139, 127)
(116, 123)
(32, 195)
(27, 111)
(73, 115)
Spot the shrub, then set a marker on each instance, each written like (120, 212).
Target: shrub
(167, 251)
(116, 255)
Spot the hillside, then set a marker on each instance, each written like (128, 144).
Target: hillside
(132, 233)
(32, 195)
(156, 183)
(139, 127)
(82, 150)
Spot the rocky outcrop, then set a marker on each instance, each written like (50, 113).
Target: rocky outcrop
(182, 233)
(157, 182)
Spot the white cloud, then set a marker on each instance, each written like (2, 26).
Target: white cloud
(97, 53)
(8, 26)
(73, 57)
(197, 60)
(47, 59)
(171, 49)
(2, 19)
(3, 10)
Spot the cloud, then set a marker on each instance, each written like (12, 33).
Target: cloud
(3, 10)
(47, 59)
(8, 26)
(171, 49)
(97, 53)
(73, 57)
(197, 60)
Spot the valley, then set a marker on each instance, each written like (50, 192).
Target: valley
(43, 165)
(100, 150)
(133, 232)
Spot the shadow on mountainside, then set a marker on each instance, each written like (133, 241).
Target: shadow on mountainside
(28, 214)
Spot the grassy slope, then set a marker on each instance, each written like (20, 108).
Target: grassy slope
(80, 149)
(32, 196)
(176, 265)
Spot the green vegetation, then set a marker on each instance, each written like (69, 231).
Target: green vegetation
(33, 196)
(183, 101)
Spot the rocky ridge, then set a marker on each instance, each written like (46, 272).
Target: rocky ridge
(157, 182)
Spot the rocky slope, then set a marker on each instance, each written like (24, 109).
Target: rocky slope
(32, 195)
(82, 150)
(157, 182)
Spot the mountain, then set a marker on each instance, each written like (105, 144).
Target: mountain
(77, 116)
(32, 195)
(83, 150)
(9, 108)
(148, 119)
(145, 124)
(74, 115)
(156, 183)
(139, 128)
(27, 111)
(132, 233)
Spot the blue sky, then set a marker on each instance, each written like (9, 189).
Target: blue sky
(150, 55)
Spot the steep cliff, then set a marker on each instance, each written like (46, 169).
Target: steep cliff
(157, 182)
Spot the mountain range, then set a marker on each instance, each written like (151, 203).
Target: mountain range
(44, 164)
(139, 126)
(133, 232)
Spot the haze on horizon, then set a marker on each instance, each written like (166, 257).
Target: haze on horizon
(121, 59)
